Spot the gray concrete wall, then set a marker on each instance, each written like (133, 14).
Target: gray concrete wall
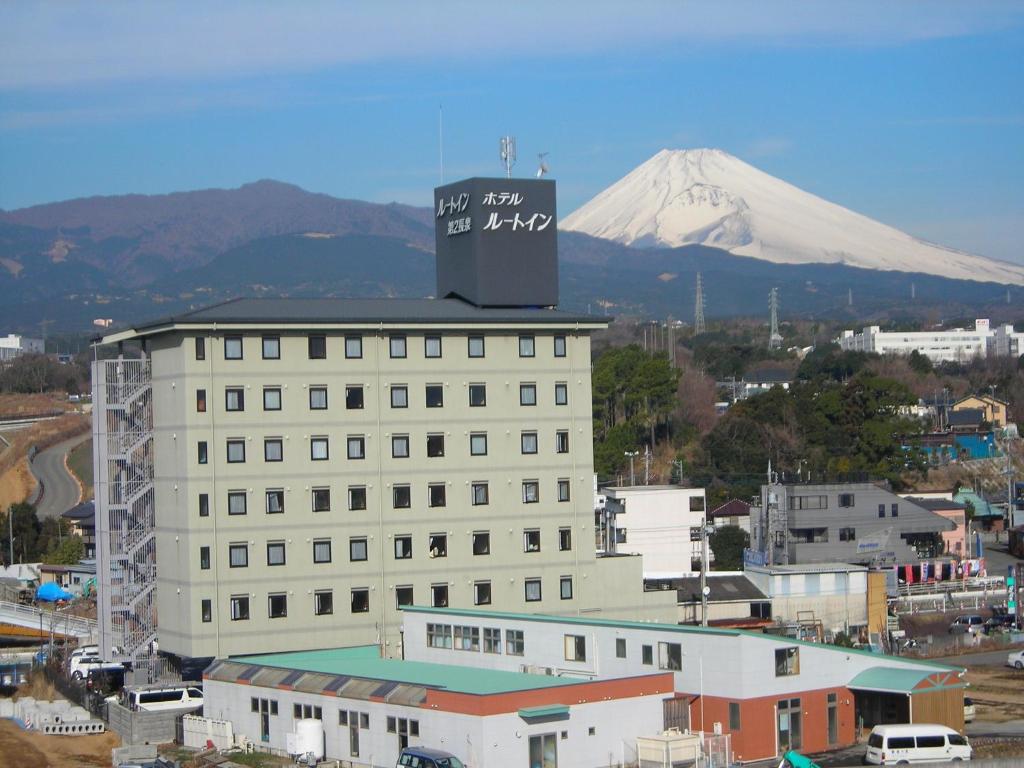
(143, 727)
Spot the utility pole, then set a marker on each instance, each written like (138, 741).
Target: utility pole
(705, 532)
(632, 475)
(698, 311)
(647, 465)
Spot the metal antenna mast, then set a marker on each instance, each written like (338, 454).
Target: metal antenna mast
(698, 311)
(774, 337)
(507, 151)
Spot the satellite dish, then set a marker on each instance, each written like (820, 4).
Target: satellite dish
(542, 167)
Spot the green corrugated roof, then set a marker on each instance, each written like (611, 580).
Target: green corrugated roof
(551, 710)
(894, 680)
(365, 662)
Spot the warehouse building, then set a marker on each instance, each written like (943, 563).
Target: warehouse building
(770, 693)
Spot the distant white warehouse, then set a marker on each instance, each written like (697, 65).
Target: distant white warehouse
(940, 346)
(13, 345)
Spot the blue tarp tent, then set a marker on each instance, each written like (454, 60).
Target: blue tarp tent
(51, 592)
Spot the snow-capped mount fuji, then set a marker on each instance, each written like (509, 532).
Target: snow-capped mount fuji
(709, 197)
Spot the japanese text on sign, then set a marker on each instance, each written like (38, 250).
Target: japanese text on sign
(452, 205)
(459, 226)
(538, 222)
(503, 198)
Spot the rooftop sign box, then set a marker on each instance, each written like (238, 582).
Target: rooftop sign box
(497, 242)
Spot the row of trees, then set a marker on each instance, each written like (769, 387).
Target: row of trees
(32, 374)
(48, 541)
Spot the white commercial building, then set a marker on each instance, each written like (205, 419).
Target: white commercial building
(656, 521)
(13, 345)
(940, 346)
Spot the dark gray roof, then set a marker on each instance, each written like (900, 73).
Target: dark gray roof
(724, 588)
(84, 512)
(936, 504)
(966, 416)
(314, 311)
(767, 375)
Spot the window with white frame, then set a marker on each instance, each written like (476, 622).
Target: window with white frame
(439, 635)
(515, 644)
(492, 640)
(575, 648)
(466, 638)
(670, 656)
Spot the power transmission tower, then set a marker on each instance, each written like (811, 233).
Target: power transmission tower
(698, 311)
(774, 337)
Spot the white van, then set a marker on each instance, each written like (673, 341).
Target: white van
(904, 744)
(157, 698)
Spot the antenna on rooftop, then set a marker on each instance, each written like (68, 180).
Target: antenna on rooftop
(507, 152)
(698, 310)
(774, 337)
(542, 167)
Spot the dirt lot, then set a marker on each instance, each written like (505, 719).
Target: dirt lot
(998, 693)
(25, 748)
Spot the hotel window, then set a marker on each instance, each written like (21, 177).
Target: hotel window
(238, 555)
(239, 607)
(321, 550)
(478, 444)
(479, 493)
(201, 400)
(531, 540)
(234, 399)
(357, 549)
(236, 451)
(318, 398)
(317, 347)
(321, 499)
(319, 449)
(467, 638)
(436, 495)
(275, 553)
(204, 558)
(881, 510)
(403, 547)
(526, 346)
(561, 394)
(476, 346)
(647, 655)
(564, 539)
(236, 502)
(846, 499)
(354, 397)
(275, 501)
(360, 600)
(323, 602)
(894, 510)
(575, 648)
(271, 398)
(492, 640)
(435, 446)
(206, 609)
(273, 449)
(204, 455)
(356, 497)
(439, 595)
(439, 635)
(565, 587)
(532, 590)
(559, 346)
(399, 446)
(432, 346)
(204, 504)
(531, 492)
(563, 490)
(562, 441)
(847, 534)
(477, 395)
(527, 394)
(696, 503)
(356, 447)
(353, 347)
(404, 596)
(399, 396)
(271, 347)
(734, 716)
(620, 647)
(437, 545)
(200, 348)
(396, 346)
(528, 442)
(670, 656)
(787, 662)
(435, 395)
(515, 645)
(481, 542)
(401, 497)
(232, 347)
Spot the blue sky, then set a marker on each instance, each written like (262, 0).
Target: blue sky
(911, 113)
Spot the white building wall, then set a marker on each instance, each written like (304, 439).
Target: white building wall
(955, 345)
(494, 741)
(838, 599)
(749, 673)
(657, 521)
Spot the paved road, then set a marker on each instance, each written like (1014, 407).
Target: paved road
(60, 489)
(988, 659)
